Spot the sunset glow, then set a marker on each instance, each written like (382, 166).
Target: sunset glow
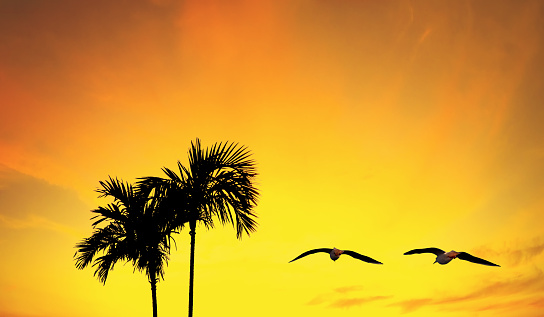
(376, 126)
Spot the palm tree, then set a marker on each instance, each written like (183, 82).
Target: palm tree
(217, 184)
(135, 232)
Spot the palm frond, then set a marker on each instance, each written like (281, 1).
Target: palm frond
(184, 173)
(104, 264)
(112, 212)
(100, 240)
(118, 190)
(231, 155)
(245, 222)
(150, 186)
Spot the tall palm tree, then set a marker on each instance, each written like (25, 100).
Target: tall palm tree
(131, 230)
(218, 184)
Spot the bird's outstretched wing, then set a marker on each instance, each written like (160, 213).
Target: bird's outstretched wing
(361, 257)
(467, 257)
(435, 251)
(311, 252)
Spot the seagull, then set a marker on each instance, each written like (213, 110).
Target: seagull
(445, 257)
(335, 254)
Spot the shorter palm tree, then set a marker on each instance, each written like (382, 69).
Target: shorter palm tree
(135, 232)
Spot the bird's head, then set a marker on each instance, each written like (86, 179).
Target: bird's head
(452, 254)
(337, 252)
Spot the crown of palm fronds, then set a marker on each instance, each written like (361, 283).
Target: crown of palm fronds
(134, 231)
(218, 182)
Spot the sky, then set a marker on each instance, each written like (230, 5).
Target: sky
(377, 127)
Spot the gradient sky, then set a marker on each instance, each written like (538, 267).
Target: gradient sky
(377, 126)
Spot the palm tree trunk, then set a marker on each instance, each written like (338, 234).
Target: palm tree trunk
(154, 295)
(192, 225)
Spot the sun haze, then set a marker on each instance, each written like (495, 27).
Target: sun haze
(377, 127)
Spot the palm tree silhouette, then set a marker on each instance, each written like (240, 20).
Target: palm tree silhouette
(135, 232)
(217, 184)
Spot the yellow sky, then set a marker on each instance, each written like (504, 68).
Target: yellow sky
(377, 126)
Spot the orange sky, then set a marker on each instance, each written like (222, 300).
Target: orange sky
(377, 126)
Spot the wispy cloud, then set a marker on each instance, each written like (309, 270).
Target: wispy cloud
(515, 255)
(413, 304)
(339, 298)
(36, 222)
(356, 301)
(526, 302)
(8, 314)
(28, 203)
(532, 286)
(348, 289)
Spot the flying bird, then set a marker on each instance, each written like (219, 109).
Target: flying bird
(335, 254)
(445, 257)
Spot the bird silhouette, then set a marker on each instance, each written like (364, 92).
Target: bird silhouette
(335, 254)
(445, 257)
